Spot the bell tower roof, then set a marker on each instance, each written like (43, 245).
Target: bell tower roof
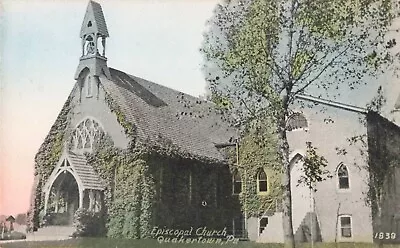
(94, 21)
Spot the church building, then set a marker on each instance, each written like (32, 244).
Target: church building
(126, 155)
(131, 153)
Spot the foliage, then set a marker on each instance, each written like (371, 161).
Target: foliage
(20, 219)
(88, 223)
(3, 227)
(13, 235)
(128, 243)
(129, 190)
(314, 168)
(121, 118)
(276, 50)
(256, 153)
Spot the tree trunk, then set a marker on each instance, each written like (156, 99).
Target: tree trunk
(287, 196)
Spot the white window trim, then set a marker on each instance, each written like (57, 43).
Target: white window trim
(258, 184)
(338, 189)
(339, 231)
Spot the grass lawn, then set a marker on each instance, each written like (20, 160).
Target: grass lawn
(116, 243)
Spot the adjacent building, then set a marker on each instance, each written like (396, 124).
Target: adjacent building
(134, 154)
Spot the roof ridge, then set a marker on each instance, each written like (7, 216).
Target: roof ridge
(165, 87)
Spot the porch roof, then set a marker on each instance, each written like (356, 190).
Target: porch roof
(90, 179)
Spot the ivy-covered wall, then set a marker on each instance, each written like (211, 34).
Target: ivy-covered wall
(256, 152)
(47, 157)
(147, 189)
(192, 194)
(150, 186)
(384, 190)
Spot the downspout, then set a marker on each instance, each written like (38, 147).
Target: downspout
(244, 188)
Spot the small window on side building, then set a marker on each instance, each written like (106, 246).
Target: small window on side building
(345, 226)
(263, 224)
(236, 183)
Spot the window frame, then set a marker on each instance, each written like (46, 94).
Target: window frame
(234, 181)
(292, 118)
(338, 178)
(340, 227)
(258, 182)
(259, 225)
(82, 134)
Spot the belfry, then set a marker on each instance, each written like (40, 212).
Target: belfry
(93, 35)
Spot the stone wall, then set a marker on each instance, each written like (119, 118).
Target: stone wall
(384, 164)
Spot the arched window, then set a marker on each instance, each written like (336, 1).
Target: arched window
(236, 183)
(89, 86)
(85, 134)
(343, 177)
(89, 46)
(262, 181)
(296, 121)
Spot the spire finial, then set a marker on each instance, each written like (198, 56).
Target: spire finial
(93, 34)
(94, 21)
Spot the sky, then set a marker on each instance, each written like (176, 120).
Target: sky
(40, 50)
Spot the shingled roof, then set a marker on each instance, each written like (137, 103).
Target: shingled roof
(163, 115)
(94, 14)
(90, 179)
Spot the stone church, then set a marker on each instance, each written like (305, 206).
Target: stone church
(173, 140)
(132, 154)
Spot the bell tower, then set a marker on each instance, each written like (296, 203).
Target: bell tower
(93, 35)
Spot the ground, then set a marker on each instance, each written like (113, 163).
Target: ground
(103, 243)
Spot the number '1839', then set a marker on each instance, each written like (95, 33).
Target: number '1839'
(382, 235)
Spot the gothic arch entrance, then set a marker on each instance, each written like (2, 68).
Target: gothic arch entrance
(72, 185)
(304, 216)
(63, 199)
(301, 197)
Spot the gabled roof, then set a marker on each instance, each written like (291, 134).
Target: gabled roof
(166, 117)
(90, 179)
(94, 15)
(10, 218)
(76, 164)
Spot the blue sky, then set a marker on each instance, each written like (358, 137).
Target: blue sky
(40, 50)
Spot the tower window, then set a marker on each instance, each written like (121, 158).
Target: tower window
(89, 87)
(236, 183)
(89, 24)
(262, 181)
(343, 177)
(345, 226)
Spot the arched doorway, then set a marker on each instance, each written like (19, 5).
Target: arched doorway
(301, 198)
(304, 217)
(63, 200)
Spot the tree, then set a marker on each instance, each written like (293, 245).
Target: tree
(21, 219)
(260, 54)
